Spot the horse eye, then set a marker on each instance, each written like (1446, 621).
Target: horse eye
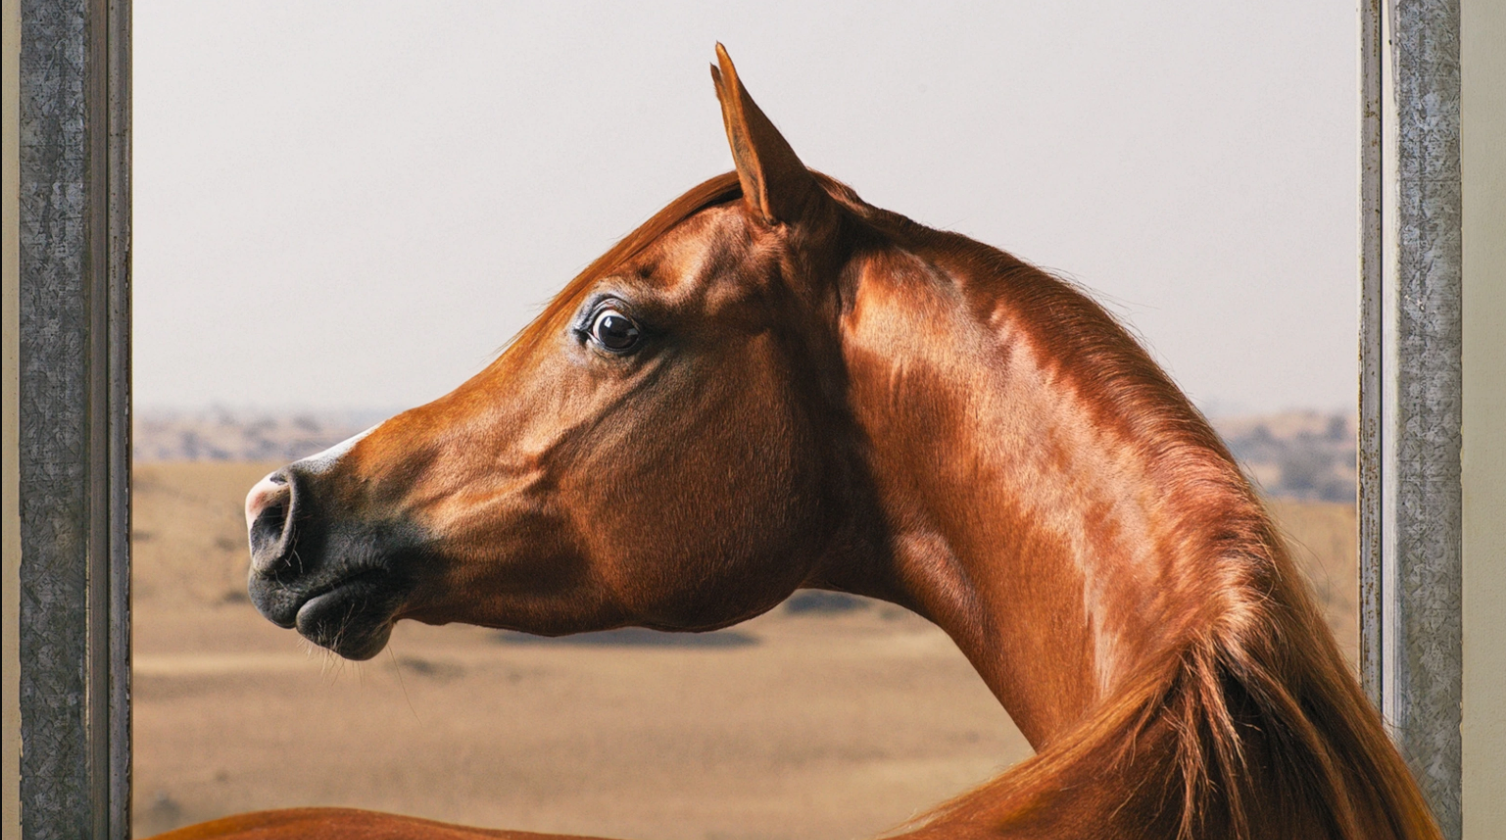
(615, 331)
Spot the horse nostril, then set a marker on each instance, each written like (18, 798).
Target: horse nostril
(269, 517)
(263, 494)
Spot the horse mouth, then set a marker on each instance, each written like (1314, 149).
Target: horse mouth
(352, 616)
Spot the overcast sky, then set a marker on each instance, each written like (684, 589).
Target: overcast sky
(353, 204)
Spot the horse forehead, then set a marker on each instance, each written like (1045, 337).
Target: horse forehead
(708, 247)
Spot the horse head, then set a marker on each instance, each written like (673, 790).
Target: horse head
(660, 448)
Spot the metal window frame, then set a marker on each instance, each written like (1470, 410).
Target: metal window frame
(74, 418)
(74, 402)
(1411, 383)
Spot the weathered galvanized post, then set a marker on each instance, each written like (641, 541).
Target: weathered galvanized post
(1410, 390)
(73, 418)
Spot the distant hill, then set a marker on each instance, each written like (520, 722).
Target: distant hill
(1298, 455)
(240, 435)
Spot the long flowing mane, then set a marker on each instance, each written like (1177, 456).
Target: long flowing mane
(1248, 724)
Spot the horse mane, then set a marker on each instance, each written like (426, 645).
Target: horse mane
(1247, 724)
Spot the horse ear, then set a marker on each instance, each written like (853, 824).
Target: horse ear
(776, 185)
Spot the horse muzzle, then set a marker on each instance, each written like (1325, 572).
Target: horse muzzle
(337, 579)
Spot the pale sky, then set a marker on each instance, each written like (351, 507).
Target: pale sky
(352, 205)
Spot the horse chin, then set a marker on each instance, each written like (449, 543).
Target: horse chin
(351, 615)
(347, 621)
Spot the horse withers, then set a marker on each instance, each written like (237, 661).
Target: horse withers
(773, 385)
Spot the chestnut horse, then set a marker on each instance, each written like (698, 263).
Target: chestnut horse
(773, 385)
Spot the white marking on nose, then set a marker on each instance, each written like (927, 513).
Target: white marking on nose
(326, 459)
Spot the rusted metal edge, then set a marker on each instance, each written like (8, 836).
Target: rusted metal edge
(119, 413)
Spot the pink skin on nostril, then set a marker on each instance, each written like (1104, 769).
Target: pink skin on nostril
(265, 492)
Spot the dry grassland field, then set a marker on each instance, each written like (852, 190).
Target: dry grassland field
(830, 723)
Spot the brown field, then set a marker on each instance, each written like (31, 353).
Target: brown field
(828, 725)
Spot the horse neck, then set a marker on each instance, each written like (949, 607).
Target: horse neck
(1049, 498)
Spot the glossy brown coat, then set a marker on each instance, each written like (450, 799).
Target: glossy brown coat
(814, 392)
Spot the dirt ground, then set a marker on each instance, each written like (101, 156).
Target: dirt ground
(831, 724)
